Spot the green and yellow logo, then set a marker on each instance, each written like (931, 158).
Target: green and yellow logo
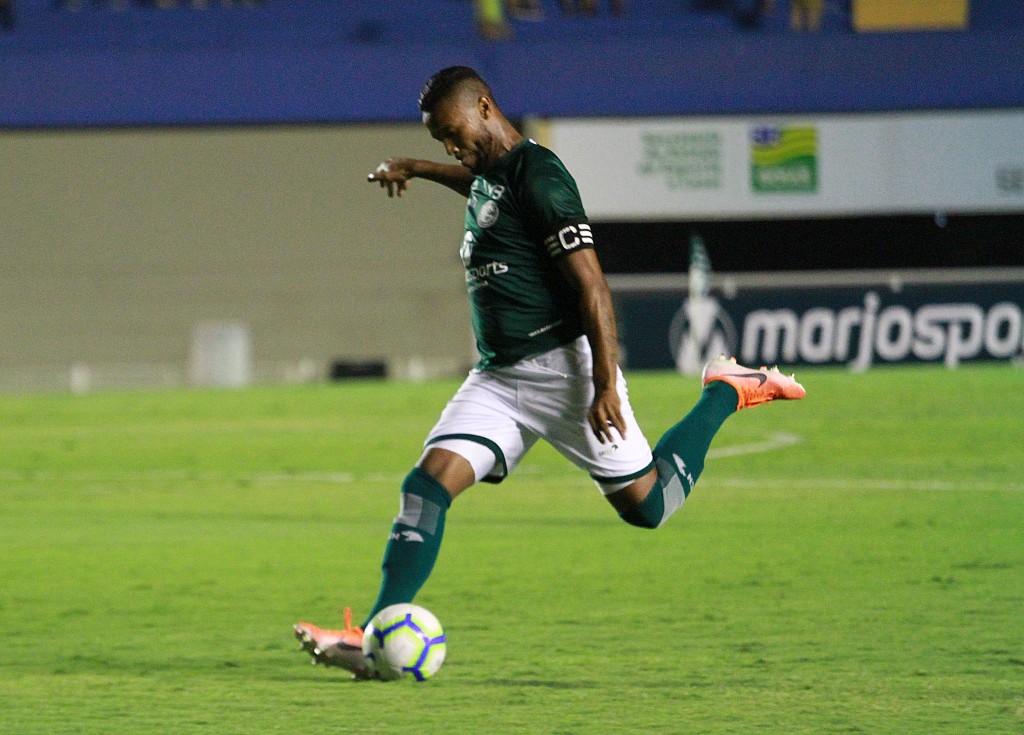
(783, 159)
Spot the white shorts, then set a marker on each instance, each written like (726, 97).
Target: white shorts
(497, 415)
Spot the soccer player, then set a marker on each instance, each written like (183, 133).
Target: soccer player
(545, 331)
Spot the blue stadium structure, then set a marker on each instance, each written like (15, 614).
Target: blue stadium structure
(98, 63)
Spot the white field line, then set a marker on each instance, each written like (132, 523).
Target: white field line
(774, 442)
(752, 481)
(854, 483)
(771, 444)
(113, 483)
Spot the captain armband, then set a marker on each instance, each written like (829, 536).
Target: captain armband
(568, 239)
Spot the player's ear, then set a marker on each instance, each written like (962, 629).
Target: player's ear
(484, 107)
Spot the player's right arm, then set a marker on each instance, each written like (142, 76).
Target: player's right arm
(394, 175)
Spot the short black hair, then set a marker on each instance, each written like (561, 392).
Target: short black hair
(448, 81)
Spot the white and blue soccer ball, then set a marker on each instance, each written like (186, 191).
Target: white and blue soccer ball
(404, 639)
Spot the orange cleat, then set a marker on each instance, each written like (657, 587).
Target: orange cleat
(754, 386)
(342, 648)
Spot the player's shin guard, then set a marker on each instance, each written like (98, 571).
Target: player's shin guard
(414, 541)
(679, 456)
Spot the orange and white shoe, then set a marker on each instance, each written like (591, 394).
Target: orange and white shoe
(754, 386)
(342, 648)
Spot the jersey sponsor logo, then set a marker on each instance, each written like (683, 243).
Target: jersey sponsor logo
(466, 251)
(481, 272)
(476, 276)
(487, 190)
(488, 214)
(569, 238)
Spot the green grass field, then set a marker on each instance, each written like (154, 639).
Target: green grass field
(155, 549)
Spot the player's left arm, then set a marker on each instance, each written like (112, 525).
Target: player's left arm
(551, 200)
(583, 271)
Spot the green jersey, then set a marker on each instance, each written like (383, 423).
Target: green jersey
(523, 214)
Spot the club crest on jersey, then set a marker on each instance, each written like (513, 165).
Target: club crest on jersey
(487, 214)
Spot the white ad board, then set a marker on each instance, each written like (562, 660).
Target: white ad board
(794, 165)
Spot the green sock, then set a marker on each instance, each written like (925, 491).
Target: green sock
(679, 455)
(414, 541)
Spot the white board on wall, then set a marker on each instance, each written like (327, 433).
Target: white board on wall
(795, 165)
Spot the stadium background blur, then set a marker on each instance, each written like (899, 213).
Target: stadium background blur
(202, 166)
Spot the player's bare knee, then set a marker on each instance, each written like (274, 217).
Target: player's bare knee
(651, 500)
(639, 503)
(448, 468)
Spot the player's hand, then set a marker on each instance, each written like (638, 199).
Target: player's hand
(605, 415)
(393, 175)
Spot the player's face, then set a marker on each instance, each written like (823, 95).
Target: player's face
(460, 126)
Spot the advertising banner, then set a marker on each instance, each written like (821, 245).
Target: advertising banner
(794, 166)
(942, 320)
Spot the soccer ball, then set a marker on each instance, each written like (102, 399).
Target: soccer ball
(404, 639)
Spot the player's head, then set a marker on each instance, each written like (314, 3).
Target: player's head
(459, 110)
(451, 82)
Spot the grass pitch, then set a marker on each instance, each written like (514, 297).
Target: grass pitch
(155, 549)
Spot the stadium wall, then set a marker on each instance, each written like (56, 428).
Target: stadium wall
(125, 226)
(118, 243)
(343, 81)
